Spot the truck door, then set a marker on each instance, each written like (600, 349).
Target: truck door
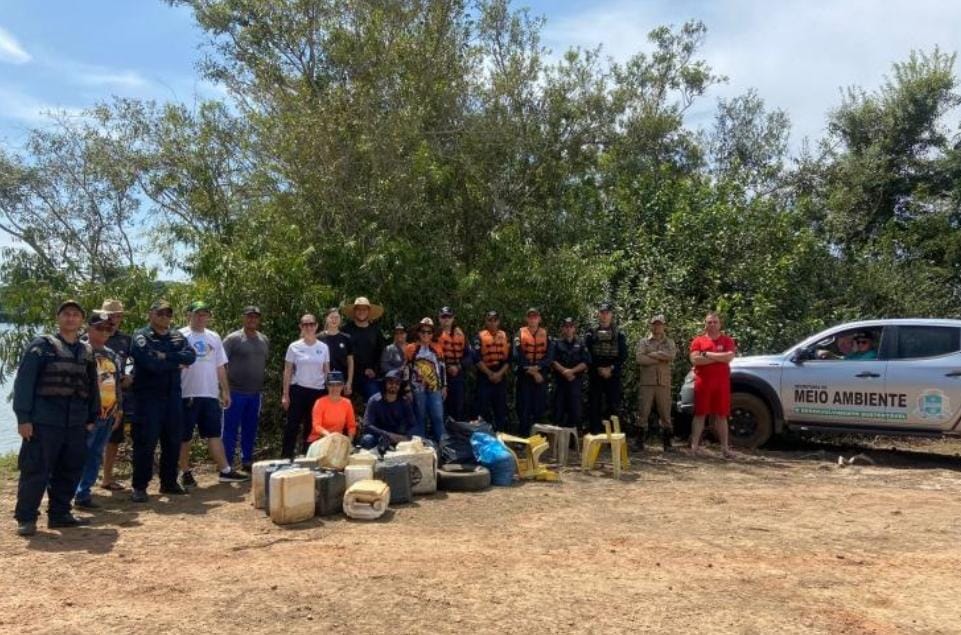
(925, 366)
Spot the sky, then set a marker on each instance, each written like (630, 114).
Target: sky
(59, 54)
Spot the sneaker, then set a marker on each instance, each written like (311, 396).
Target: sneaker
(26, 528)
(173, 490)
(67, 521)
(188, 480)
(233, 476)
(139, 496)
(85, 503)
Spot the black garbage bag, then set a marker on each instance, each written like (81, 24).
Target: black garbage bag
(455, 445)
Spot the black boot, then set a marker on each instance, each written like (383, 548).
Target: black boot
(666, 439)
(639, 441)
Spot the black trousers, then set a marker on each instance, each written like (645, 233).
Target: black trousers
(604, 399)
(157, 420)
(531, 402)
(568, 401)
(51, 461)
(299, 418)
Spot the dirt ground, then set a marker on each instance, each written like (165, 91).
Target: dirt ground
(772, 542)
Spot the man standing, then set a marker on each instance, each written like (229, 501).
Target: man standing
(205, 394)
(247, 350)
(120, 343)
(56, 400)
(393, 357)
(368, 343)
(457, 356)
(492, 350)
(532, 360)
(571, 359)
(711, 355)
(158, 353)
(389, 418)
(111, 404)
(655, 354)
(608, 348)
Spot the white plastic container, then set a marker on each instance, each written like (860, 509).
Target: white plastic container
(423, 463)
(259, 484)
(292, 497)
(366, 500)
(331, 451)
(357, 473)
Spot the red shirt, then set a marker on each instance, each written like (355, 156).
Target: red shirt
(716, 371)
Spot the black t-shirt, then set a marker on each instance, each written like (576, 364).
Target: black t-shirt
(340, 346)
(368, 344)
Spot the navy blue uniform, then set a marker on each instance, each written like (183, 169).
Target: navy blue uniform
(608, 349)
(56, 390)
(531, 348)
(156, 387)
(568, 395)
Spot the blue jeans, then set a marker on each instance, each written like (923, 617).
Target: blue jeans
(241, 418)
(429, 403)
(96, 441)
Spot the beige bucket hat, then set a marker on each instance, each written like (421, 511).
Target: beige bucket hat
(375, 309)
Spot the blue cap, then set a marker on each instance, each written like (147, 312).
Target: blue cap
(394, 374)
(335, 377)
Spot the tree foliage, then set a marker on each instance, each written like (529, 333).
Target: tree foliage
(430, 152)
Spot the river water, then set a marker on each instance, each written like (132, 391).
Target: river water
(9, 439)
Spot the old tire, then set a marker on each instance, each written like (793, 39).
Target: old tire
(750, 422)
(455, 477)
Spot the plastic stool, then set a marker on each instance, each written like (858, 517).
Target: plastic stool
(560, 439)
(617, 440)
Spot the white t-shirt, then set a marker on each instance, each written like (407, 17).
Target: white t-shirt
(309, 361)
(200, 378)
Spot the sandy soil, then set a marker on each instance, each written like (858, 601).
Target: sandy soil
(774, 542)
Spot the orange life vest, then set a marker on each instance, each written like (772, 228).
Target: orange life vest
(410, 350)
(493, 348)
(533, 345)
(453, 344)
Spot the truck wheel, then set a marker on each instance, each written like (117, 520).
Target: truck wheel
(750, 422)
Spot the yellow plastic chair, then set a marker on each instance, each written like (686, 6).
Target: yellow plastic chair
(527, 453)
(617, 440)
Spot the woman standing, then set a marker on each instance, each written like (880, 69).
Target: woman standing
(428, 380)
(305, 372)
(340, 347)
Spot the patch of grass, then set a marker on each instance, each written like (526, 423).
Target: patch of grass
(8, 465)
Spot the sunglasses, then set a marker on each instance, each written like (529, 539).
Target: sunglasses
(308, 324)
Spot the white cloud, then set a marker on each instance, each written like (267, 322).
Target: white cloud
(798, 55)
(106, 77)
(30, 110)
(10, 49)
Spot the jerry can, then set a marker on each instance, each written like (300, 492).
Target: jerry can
(292, 496)
(330, 451)
(355, 473)
(259, 484)
(397, 477)
(329, 488)
(367, 499)
(423, 464)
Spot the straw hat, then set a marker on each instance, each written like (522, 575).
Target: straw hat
(375, 309)
(112, 306)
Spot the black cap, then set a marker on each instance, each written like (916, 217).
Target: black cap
(446, 311)
(533, 311)
(400, 327)
(98, 317)
(160, 305)
(71, 303)
(568, 321)
(605, 306)
(491, 314)
(335, 377)
(251, 310)
(394, 375)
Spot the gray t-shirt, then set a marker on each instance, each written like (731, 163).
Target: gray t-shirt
(246, 361)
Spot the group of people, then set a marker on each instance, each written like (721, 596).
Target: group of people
(77, 391)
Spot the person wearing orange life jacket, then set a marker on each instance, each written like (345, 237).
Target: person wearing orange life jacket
(457, 359)
(492, 354)
(428, 380)
(533, 353)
